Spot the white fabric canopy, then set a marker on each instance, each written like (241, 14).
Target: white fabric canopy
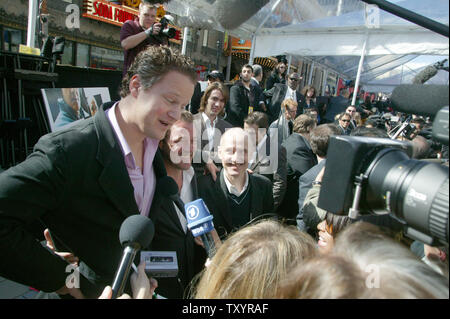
(332, 33)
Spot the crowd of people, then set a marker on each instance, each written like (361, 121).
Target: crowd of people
(256, 154)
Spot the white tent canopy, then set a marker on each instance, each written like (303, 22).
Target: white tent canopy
(332, 33)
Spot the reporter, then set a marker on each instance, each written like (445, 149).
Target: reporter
(252, 262)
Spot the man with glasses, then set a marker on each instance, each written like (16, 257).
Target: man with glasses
(344, 123)
(281, 92)
(351, 110)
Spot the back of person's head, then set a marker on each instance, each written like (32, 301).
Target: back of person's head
(152, 64)
(393, 271)
(320, 137)
(260, 119)
(324, 277)
(257, 70)
(421, 148)
(303, 124)
(369, 132)
(252, 262)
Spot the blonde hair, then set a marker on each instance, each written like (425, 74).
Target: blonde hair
(253, 261)
(288, 102)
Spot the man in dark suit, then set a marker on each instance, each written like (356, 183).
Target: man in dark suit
(208, 128)
(84, 181)
(236, 197)
(319, 139)
(245, 97)
(269, 156)
(281, 92)
(171, 232)
(300, 158)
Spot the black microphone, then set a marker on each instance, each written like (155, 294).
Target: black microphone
(232, 13)
(136, 232)
(169, 188)
(420, 99)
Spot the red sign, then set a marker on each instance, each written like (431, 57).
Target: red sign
(108, 12)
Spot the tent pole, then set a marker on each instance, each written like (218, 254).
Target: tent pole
(185, 33)
(358, 76)
(289, 65)
(311, 73)
(228, 68)
(325, 81)
(32, 16)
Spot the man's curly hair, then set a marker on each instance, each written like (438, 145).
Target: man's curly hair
(153, 64)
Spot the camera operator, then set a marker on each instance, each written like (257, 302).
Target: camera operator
(136, 35)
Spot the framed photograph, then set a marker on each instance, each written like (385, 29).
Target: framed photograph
(66, 106)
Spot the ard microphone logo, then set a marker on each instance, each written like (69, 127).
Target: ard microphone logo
(193, 212)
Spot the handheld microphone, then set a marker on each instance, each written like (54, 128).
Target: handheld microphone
(200, 223)
(136, 232)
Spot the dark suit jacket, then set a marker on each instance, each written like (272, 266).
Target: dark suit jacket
(77, 184)
(305, 184)
(300, 158)
(239, 102)
(215, 196)
(276, 96)
(277, 174)
(170, 236)
(201, 143)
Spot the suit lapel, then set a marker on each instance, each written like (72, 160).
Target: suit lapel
(114, 178)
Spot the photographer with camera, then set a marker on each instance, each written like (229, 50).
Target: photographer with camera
(136, 35)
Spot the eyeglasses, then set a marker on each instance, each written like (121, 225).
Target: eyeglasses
(293, 79)
(345, 120)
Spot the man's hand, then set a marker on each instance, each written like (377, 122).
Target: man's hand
(142, 286)
(69, 257)
(156, 28)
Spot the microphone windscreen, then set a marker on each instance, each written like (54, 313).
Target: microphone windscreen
(167, 186)
(232, 13)
(420, 99)
(137, 229)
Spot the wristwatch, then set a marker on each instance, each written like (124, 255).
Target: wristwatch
(316, 183)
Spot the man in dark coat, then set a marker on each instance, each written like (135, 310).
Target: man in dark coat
(84, 181)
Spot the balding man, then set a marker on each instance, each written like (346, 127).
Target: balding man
(236, 197)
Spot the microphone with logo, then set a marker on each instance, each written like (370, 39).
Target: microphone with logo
(200, 223)
(136, 232)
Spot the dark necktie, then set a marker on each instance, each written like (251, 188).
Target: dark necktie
(291, 127)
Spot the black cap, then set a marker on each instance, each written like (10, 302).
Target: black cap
(216, 75)
(281, 59)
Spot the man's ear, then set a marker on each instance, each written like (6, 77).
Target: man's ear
(135, 84)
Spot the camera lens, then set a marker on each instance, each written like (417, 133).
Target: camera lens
(414, 191)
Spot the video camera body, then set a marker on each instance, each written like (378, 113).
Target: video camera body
(165, 30)
(376, 176)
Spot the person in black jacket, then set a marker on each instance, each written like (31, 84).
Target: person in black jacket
(278, 74)
(236, 197)
(300, 158)
(84, 181)
(245, 97)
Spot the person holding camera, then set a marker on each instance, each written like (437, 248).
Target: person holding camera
(136, 35)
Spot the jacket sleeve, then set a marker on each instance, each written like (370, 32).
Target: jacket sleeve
(235, 105)
(27, 192)
(313, 214)
(280, 178)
